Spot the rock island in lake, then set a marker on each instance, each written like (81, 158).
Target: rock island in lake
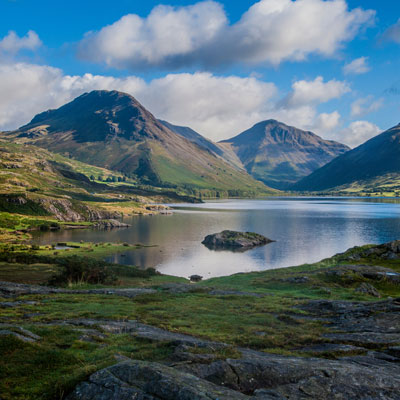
(232, 240)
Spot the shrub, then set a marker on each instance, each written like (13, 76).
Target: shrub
(77, 269)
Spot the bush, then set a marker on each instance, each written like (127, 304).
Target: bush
(80, 270)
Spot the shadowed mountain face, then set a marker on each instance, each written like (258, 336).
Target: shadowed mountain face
(218, 149)
(279, 155)
(113, 130)
(375, 158)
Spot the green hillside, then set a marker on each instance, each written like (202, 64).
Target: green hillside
(112, 130)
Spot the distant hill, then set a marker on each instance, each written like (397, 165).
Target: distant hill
(279, 155)
(113, 130)
(367, 164)
(218, 149)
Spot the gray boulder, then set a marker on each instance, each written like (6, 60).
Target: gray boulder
(233, 240)
(141, 380)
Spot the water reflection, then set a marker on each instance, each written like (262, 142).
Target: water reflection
(305, 230)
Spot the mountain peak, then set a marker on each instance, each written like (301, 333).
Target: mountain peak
(101, 115)
(279, 155)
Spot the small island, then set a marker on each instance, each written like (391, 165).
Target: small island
(233, 240)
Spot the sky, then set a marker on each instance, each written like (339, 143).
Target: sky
(329, 66)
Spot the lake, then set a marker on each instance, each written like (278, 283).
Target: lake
(306, 230)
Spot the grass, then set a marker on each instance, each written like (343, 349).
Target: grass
(52, 368)
(271, 322)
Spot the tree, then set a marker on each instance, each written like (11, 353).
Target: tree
(92, 178)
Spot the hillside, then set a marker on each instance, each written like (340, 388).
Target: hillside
(363, 165)
(43, 189)
(279, 155)
(111, 129)
(218, 149)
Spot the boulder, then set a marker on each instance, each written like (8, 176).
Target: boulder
(232, 240)
(143, 380)
(195, 278)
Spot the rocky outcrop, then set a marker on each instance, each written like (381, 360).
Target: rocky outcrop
(235, 240)
(149, 381)
(111, 223)
(386, 251)
(10, 289)
(65, 210)
(254, 375)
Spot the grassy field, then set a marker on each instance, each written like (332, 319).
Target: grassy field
(271, 322)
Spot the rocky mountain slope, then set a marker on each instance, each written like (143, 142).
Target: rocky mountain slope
(218, 149)
(364, 165)
(279, 155)
(113, 130)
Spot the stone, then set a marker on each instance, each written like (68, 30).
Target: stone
(232, 240)
(195, 278)
(367, 288)
(111, 223)
(143, 380)
(16, 335)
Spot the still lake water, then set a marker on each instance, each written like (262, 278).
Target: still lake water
(305, 229)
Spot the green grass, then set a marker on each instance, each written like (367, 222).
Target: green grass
(51, 369)
(271, 322)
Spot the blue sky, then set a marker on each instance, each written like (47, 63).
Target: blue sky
(216, 66)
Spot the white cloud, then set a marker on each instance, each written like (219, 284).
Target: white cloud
(365, 105)
(357, 66)
(12, 43)
(314, 92)
(219, 107)
(270, 31)
(327, 122)
(357, 133)
(393, 33)
(166, 36)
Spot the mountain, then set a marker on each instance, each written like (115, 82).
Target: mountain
(113, 130)
(218, 149)
(365, 164)
(279, 155)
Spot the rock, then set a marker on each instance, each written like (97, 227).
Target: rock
(218, 292)
(297, 279)
(111, 223)
(279, 377)
(16, 335)
(364, 324)
(195, 278)
(394, 351)
(234, 240)
(143, 380)
(332, 348)
(374, 272)
(386, 251)
(367, 288)
(10, 289)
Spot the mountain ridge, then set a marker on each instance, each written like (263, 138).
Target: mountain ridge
(112, 129)
(279, 154)
(375, 158)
